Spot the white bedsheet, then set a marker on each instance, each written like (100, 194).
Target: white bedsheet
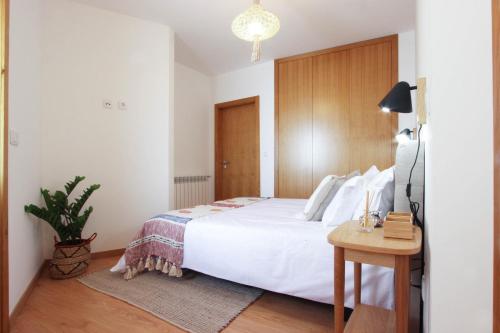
(264, 245)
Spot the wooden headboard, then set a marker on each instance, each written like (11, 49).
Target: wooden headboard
(326, 119)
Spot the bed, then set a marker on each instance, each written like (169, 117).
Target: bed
(266, 245)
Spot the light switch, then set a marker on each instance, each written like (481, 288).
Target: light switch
(13, 138)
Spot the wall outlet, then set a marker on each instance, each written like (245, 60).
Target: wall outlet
(122, 105)
(107, 104)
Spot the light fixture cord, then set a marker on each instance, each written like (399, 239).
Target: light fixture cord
(256, 50)
(414, 206)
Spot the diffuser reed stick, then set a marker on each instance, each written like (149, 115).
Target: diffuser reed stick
(367, 205)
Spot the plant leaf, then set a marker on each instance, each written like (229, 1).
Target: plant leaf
(70, 186)
(51, 217)
(80, 202)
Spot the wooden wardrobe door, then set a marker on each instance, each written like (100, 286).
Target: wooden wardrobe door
(295, 129)
(331, 84)
(371, 131)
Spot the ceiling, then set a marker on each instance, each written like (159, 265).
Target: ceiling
(204, 40)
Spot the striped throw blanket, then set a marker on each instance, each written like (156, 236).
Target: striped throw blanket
(159, 245)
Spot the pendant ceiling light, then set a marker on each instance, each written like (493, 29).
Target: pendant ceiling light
(255, 25)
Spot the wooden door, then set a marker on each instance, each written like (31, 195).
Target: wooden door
(294, 129)
(237, 149)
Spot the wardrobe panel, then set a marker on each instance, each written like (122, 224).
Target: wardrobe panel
(371, 131)
(295, 129)
(331, 85)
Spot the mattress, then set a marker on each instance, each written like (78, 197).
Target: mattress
(266, 245)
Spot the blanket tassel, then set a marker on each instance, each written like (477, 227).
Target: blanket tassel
(159, 264)
(128, 274)
(148, 262)
(134, 272)
(174, 271)
(140, 266)
(166, 267)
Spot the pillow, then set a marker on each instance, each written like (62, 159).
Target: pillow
(371, 173)
(318, 196)
(344, 203)
(381, 187)
(318, 216)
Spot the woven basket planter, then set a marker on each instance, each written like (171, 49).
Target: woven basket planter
(70, 260)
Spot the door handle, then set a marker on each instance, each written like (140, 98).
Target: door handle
(225, 164)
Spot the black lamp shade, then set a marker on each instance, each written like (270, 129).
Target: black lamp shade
(398, 99)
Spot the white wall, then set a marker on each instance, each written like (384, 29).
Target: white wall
(25, 237)
(193, 107)
(193, 103)
(406, 72)
(257, 80)
(24, 160)
(454, 52)
(89, 55)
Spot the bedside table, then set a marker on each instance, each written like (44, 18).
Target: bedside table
(372, 248)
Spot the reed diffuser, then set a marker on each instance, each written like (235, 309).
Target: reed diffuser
(367, 222)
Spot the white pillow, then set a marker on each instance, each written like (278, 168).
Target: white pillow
(381, 187)
(318, 196)
(318, 216)
(371, 173)
(344, 203)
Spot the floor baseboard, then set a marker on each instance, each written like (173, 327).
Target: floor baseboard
(109, 253)
(24, 298)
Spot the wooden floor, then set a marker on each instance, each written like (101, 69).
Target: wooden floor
(69, 306)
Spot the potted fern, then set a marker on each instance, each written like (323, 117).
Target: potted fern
(72, 253)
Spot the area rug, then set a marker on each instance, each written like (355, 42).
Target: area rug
(197, 303)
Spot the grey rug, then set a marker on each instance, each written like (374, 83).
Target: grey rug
(197, 303)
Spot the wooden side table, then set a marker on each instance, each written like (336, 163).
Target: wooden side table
(372, 248)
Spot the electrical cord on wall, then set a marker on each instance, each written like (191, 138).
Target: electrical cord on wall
(414, 206)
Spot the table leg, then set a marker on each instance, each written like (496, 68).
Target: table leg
(357, 283)
(402, 272)
(339, 288)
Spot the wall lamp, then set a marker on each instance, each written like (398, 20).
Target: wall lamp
(399, 99)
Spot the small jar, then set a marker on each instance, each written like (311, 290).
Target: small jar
(374, 221)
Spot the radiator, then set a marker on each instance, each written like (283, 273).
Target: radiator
(191, 191)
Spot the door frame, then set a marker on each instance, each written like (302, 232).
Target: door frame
(218, 140)
(4, 223)
(495, 10)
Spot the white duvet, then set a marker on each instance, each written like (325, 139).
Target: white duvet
(265, 245)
